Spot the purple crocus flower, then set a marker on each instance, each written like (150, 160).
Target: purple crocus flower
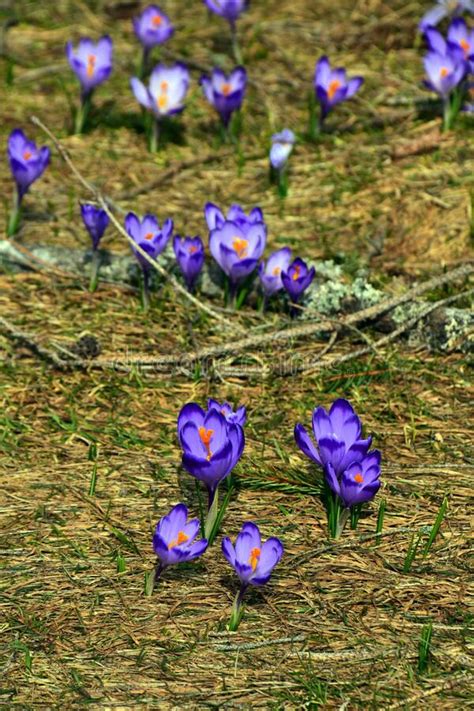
(282, 146)
(189, 253)
(444, 71)
(296, 279)
(174, 541)
(332, 85)
(239, 417)
(461, 36)
(91, 63)
(459, 42)
(237, 247)
(166, 91)
(230, 9)
(225, 92)
(95, 221)
(211, 445)
(359, 482)
(27, 162)
(252, 560)
(445, 8)
(152, 27)
(215, 217)
(338, 437)
(148, 235)
(270, 272)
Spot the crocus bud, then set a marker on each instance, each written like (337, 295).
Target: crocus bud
(95, 221)
(282, 146)
(189, 253)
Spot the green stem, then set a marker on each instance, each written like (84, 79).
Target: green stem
(82, 113)
(212, 512)
(143, 66)
(95, 264)
(145, 289)
(15, 215)
(235, 44)
(153, 577)
(355, 515)
(315, 124)
(237, 609)
(282, 183)
(155, 135)
(446, 114)
(343, 517)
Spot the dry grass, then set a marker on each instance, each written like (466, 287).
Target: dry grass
(339, 625)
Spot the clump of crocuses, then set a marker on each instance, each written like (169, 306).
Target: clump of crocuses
(282, 146)
(96, 222)
(351, 471)
(174, 542)
(27, 164)
(252, 560)
(225, 92)
(332, 86)
(189, 252)
(164, 96)
(92, 65)
(152, 239)
(447, 64)
(152, 28)
(212, 445)
(236, 241)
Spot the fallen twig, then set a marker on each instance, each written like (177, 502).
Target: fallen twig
(30, 342)
(406, 326)
(305, 330)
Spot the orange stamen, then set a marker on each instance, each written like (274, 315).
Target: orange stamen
(182, 538)
(240, 247)
(149, 235)
(90, 64)
(27, 155)
(276, 271)
(226, 89)
(296, 272)
(443, 72)
(333, 87)
(192, 249)
(359, 478)
(162, 101)
(254, 557)
(206, 436)
(164, 86)
(157, 20)
(465, 45)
